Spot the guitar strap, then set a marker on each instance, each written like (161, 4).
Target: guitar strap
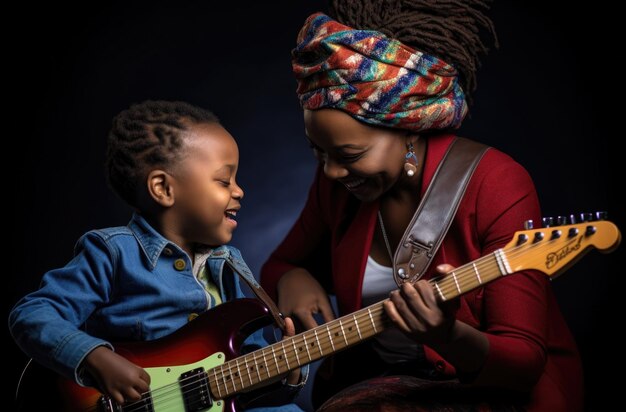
(244, 273)
(436, 210)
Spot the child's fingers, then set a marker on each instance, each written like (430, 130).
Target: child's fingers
(306, 318)
(444, 268)
(290, 328)
(326, 310)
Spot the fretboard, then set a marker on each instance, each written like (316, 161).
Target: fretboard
(267, 363)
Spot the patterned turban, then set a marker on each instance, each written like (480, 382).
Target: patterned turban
(374, 78)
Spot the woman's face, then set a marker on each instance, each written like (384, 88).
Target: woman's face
(367, 160)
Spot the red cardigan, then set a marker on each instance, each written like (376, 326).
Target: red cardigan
(530, 346)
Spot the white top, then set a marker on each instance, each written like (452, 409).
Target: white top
(392, 345)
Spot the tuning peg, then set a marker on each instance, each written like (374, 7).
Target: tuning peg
(548, 221)
(538, 237)
(555, 234)
(561, 220)
(590, 230)
(601, 215)
(521, 239)
(571, 219)
(528, 224)
(585, 217)
(572, 232)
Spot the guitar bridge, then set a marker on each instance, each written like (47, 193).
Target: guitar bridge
(194, 386)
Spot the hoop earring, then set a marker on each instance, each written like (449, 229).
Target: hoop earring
(410, 161)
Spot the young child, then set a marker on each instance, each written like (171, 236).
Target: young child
(176, 166)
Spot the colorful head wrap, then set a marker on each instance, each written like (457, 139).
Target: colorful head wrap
(376, 79)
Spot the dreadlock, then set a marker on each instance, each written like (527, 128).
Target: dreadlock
(148, 134)
(448, 29)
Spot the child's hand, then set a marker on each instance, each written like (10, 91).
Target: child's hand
(302, 296)
(294, 376)
(117, 377)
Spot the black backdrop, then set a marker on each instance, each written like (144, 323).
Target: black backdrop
(550, 97)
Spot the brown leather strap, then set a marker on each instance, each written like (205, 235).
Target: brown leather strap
(259, 292)
(435, 212)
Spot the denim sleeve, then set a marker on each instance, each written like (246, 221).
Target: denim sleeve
(45, 323)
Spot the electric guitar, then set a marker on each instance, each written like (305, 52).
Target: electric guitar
(198, 368)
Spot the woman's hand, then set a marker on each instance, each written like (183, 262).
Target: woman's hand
(415, 311)
(117, 377)
(301, 295)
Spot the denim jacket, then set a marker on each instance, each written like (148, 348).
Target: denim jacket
(123, 284)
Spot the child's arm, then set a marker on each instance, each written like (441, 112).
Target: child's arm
(116, 376)
(46, 323)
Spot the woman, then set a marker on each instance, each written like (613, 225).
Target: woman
(382, 87)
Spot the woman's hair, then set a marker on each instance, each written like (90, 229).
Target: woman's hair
(448, 29)
(144, 136)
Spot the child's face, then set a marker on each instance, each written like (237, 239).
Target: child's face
(207, 196)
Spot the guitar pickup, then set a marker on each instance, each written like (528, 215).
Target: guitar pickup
(194, 386)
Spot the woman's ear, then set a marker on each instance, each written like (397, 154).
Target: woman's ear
(160, 187)
(411, 139)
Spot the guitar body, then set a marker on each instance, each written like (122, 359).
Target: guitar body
(208, 341)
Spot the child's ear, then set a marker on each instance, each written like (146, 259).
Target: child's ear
(161, 188)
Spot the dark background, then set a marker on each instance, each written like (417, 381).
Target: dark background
(550, 97)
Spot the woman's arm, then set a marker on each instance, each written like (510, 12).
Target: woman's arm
(299, 267)
(509, 349)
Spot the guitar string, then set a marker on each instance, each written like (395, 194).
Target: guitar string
(465, 274)
(248, 374)
(451, 289)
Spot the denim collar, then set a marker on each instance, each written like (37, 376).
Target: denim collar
(152, 242)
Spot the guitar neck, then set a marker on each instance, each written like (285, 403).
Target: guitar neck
(290, 353)
(550, 250)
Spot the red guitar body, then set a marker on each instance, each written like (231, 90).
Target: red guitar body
(222, 329)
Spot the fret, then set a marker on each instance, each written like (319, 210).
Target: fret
(480, 281)
(275, 360)
(503, 263)
(256, 366)
(443, 297)
(245, 361)
(343, 332)
(267, 367)
(238, 373)
(285, 354)
(456, 282)
(319, 346)
(356, 323)
(217, 384)
(295, 350)
(369, 312)
(330, 336)
(306, 346)
(232, 380)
